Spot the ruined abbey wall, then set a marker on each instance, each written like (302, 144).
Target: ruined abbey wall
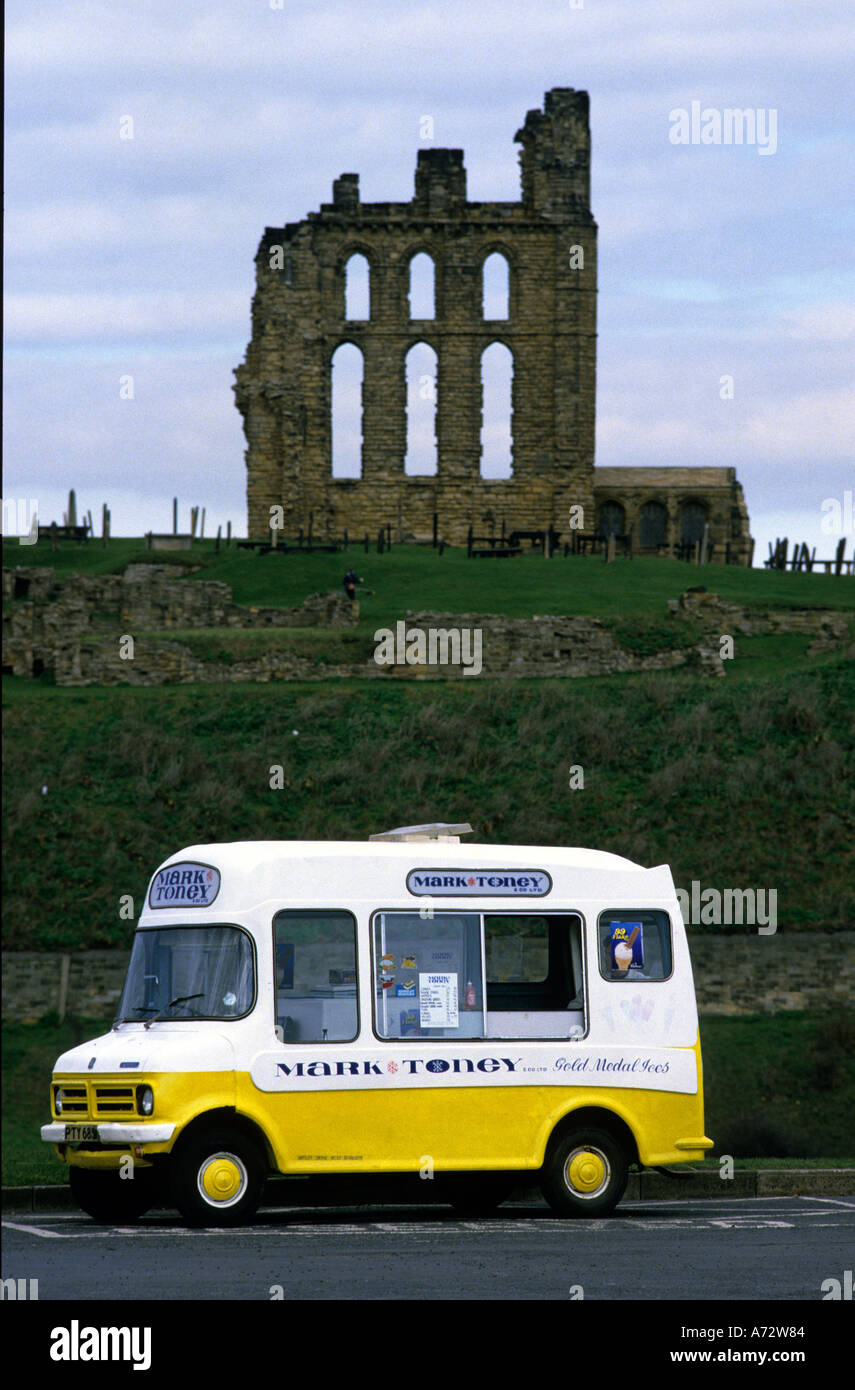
(549, 240)
(298, 318)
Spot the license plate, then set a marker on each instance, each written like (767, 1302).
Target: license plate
(74, 1134)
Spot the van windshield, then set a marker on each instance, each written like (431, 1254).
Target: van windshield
(188, 972)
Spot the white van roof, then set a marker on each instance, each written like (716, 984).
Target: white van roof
(242, 854)
(377, 874)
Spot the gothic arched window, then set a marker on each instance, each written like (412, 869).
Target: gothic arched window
(612, 520)
(357, 288)
(422, 295)
(497, 372)
(654, 525)
(693, 519)
(421, 459)
(346, 413)
(495, 287)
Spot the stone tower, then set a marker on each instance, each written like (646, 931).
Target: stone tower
(549, 241)
(283, 389)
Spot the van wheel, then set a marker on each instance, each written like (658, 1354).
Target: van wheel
(217, 1178)
(585, 1173)
(111, 1199)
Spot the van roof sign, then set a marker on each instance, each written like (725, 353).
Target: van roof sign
(438, 830)
(187, 884)
(479, 883)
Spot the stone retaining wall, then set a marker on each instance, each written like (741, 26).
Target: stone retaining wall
(59, 626)
(73, 630)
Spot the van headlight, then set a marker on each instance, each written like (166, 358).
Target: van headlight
(145, 1100)
(57, 1100)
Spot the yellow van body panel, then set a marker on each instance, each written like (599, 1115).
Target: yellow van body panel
(395, 1130)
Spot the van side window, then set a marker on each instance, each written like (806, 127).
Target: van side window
(534, 975)
(635, 944)
(428, 975)
(314, 962)
(428, 980)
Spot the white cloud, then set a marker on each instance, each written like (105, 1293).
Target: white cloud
(58, 317)
(819, 424)
(833, 322)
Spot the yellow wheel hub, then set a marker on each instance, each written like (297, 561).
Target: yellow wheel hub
(586, 1171)
(222, 1179)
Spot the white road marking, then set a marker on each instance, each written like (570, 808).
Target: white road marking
(426, 1231)
(744, 1223)
(35, 1230)
(835, 1201)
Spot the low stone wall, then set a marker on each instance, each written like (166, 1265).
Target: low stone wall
(73, 630)
(829, 628)
(58, 625)
(767, 974)
(547, 646)
(736, 975)
(85, 983)
(169, 663)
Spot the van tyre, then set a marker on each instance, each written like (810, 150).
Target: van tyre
(585, 1173)
(217, 1178)
(111, 1199)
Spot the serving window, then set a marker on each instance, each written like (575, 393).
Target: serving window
(474, 975)
(315, 975)
(635, 944)
(428, 975)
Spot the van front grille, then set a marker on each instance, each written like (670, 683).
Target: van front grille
(74, 1100)
(114, 1100)
(94, 1100)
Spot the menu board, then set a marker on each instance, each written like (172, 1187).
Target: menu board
(438, 1001)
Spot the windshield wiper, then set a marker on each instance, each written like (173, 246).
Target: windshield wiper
(181, 999)
(138, 1009)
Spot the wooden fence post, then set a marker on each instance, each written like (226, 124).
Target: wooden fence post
(64, 973)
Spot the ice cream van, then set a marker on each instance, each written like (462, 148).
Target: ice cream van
(411, 1004)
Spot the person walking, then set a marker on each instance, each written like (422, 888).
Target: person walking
(350, 582)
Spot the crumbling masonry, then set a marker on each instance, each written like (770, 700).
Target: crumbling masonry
(549, 241)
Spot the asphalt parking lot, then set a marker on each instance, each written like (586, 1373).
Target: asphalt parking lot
(749, 1249)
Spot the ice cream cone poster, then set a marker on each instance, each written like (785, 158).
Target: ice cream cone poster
(627, 943)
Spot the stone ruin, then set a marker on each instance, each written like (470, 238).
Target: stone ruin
(72, 629)
(549, 243)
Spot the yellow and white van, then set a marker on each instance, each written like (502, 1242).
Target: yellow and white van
(410, 1004)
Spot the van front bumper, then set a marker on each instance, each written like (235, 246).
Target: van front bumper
(112, 1133)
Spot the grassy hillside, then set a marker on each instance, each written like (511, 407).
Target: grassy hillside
(745, 781)
(735, 782)
(414, 577)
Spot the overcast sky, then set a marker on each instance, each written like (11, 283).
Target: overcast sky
(133, 257)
